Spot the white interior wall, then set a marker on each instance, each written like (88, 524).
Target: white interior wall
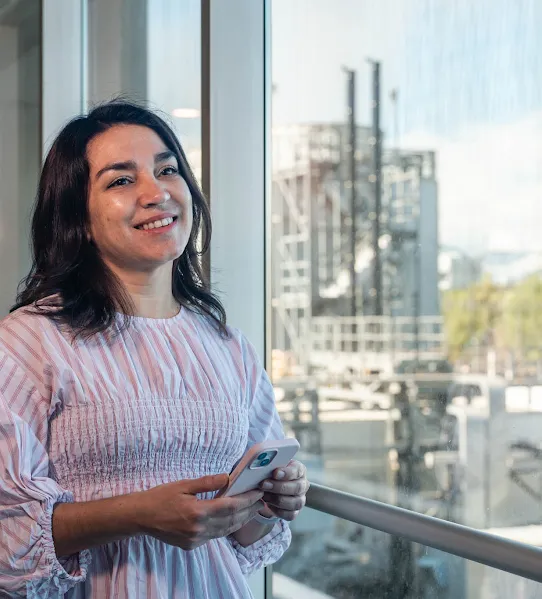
(20, 150)
(28, 133)
(9, 167)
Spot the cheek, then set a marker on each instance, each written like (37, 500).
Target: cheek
(101, 224)
(95, 217)
(105, 227)
(110, 212)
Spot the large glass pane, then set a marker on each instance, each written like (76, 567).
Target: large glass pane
(331, 558)
(150, 50)
(20, 153)
(405, 251)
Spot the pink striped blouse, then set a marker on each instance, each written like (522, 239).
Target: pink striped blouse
(165, 400)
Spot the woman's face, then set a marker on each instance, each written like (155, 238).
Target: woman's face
(140, 208)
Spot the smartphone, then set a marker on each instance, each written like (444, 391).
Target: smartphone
(257, 464)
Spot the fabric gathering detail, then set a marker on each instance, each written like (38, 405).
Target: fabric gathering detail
(267, 549)
(159, 402)
(59, 580)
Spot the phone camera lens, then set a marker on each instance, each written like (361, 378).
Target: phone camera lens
(262, 456)
(265, 462)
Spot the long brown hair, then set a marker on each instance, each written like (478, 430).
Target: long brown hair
(67, 272)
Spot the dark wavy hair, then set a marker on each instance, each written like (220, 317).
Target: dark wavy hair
(69, 281)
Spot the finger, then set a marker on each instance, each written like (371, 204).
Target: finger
(292, 471)
(285, 514)
(295, 487)
(225, 506)
(205, 484)
(285, 502)
(239, 519)
(253, 511)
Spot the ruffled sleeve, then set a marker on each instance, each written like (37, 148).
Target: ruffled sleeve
(29, 566)
(264, 423)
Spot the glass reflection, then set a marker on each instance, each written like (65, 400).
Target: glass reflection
(150, 50)
(405, 262)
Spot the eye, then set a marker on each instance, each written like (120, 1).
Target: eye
(169, 170)
(120, 182)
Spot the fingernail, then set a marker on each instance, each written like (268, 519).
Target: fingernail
(267, 485)
(280, 475)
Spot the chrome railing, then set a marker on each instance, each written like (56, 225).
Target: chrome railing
(469, 543)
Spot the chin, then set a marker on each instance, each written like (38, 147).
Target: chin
(166, 258)
(156, 257)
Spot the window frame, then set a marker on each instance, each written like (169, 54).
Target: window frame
(235, 98)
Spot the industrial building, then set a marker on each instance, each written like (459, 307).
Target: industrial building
(316, 284)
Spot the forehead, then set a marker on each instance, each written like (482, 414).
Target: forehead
(122, 143)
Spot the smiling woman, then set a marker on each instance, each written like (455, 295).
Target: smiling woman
(136, 173)
(140, 209)
(125, 399)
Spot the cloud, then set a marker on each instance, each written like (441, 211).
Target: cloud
(490, 185)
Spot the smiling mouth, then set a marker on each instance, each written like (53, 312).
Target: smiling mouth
(157, 224)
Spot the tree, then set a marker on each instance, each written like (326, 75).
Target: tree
(471, 315)
(521, 324)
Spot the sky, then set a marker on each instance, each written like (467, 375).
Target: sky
(469, 80)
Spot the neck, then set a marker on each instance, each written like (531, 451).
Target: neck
(150, 292)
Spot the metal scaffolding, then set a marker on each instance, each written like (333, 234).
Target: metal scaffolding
(315, 277)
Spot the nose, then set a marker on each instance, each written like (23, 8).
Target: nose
(152, 193)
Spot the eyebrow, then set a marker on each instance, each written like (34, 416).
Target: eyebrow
(130, 165)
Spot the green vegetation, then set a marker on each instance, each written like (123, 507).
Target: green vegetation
(493, 316)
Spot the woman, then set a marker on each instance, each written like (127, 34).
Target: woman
(125, 399)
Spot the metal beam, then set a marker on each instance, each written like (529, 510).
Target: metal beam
(482, 547)
(352, 147)
(377, 174)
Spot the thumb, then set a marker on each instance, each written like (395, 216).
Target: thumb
(205, 484)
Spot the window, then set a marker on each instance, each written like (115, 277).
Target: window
(400, 389)
(150, 50)
(20, 140)
(351, 562)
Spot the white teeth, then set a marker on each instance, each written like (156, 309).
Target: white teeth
(157, 224)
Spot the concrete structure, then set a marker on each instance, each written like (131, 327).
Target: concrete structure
(457, 270)
(311, 240)
(410, 214)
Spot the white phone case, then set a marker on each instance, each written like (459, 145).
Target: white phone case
(246, 476)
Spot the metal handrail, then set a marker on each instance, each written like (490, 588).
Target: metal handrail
(469, 543)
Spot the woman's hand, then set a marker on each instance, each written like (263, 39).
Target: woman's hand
(173, 514)
(285, 493)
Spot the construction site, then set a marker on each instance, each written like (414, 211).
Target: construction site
(354, 250)
(359, 363)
